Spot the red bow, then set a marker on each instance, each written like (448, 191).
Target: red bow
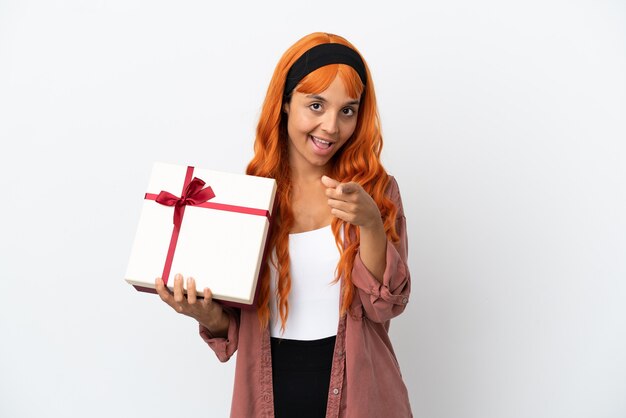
(193, 195)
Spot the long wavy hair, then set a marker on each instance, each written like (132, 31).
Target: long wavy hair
(358, 160)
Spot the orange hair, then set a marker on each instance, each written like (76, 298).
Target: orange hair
(358, 160)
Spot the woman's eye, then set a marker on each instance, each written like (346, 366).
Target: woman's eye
(348, 111)
(315, 106)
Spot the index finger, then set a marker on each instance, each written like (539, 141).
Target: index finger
(162, 291)
(348, 188)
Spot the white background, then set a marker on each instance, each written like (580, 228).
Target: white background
(504, 123)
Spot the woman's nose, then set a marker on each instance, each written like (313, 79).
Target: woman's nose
(329, 123)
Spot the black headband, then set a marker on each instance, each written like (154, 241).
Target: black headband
(322, 55)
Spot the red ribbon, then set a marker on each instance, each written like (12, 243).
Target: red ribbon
(194, 194)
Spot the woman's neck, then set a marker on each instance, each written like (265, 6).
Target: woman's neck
(307, 176)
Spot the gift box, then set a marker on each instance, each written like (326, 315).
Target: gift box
(209, 225)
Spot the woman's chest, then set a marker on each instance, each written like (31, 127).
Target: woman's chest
(310, 211)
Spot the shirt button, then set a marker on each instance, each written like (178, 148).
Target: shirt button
(336, 391)
(266, 397)
(405, 300)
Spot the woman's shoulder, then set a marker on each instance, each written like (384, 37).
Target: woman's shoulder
(392, 184)
(393, 193)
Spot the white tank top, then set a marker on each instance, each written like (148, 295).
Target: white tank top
(314, 299)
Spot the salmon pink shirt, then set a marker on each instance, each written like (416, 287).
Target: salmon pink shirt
(365, 379)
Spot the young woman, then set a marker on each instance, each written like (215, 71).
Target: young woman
(317, 343)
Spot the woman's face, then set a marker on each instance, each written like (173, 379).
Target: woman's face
(318, 125)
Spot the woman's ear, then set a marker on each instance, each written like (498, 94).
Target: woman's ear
(286, 108)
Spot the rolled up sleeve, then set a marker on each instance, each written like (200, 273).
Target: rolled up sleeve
(224, 348)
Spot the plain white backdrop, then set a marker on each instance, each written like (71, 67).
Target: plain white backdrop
(504, 123)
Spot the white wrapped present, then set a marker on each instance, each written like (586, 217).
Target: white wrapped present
(209, 225)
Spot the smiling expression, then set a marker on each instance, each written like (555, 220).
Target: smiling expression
(319, 125)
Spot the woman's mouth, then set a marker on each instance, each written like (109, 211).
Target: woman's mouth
(320, 143)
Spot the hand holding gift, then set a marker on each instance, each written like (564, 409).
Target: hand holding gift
(208, 313)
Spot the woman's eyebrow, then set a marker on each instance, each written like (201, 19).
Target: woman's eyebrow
(322, 99)
(316, 97)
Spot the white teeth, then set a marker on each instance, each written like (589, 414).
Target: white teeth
(321, 141)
